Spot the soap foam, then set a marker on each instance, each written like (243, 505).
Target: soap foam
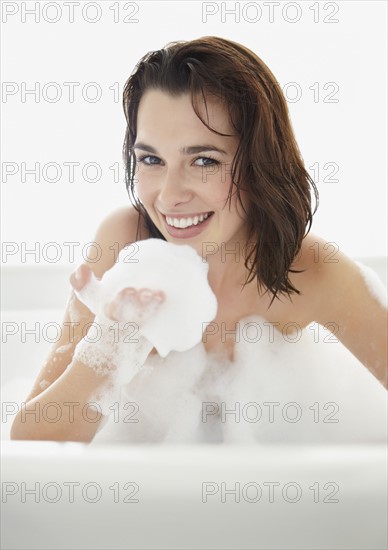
(194, 397)
(176, 324)
(301, 387)
(74, 314)
(43, 384)
(160, 265)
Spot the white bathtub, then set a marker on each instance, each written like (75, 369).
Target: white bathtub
(151, 497)
(174, 497)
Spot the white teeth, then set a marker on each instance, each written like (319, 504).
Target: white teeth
(182, 223)
(185, 222)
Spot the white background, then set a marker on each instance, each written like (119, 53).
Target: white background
(350, 133)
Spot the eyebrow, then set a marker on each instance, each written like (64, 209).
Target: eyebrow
(192, 150)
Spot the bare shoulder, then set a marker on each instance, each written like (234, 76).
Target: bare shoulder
(338, 280)
(119, 228)
(316, 253)
(323, 262)
(328, 279)
(347, 302)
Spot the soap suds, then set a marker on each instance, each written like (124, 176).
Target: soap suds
(43, 384)
(74, 314)
(64, 348)
(176, 324)
(300, 387)
(195, 397)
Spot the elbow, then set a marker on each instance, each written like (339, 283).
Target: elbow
(18, 431)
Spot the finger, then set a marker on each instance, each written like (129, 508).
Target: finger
(159, 296)
(145, 295)
(80, 277)
(128, 293)
(86, 287)
(115, 309)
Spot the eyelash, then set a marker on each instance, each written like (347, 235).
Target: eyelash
(141, 159)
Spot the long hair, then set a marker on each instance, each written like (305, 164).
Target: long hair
(267, 164)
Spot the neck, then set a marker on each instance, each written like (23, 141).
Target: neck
(226, 266)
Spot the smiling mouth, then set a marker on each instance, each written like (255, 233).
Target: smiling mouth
(184, 223)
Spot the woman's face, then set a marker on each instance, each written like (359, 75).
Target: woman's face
(183, 172)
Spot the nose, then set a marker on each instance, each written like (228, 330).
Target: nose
(174, 189)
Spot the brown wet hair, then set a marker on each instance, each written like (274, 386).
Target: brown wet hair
(267, 165)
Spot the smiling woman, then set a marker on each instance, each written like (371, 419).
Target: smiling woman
(223, 93)
(179, 186)
(212, 162)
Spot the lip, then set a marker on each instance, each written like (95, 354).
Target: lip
(179, 216)
(188, 232)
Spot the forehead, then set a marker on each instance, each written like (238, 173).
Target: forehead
(162, 112)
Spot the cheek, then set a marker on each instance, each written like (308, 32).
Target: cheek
(237, 209)
(219, 197)
(217, 191)
(143, 191)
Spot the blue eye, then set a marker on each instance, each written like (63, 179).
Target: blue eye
(143, 161)
(212, 161)
(208, 161)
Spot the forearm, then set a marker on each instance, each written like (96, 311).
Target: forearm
(63, 412)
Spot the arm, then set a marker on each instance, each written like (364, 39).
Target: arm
(360, 317)
(55, 382)
(62, 412)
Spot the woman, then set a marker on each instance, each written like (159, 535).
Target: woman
(212, 162)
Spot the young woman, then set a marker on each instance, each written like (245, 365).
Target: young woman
(212, 162)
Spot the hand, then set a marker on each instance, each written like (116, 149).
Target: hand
(120, 351)
(157, 301)
(134, 305)
(130, 304)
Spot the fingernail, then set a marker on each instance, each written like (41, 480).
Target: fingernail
(158, 298)
(146, 294)
(128, 293)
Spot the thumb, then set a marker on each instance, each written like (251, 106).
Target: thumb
(80, 277)
(86, 287)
